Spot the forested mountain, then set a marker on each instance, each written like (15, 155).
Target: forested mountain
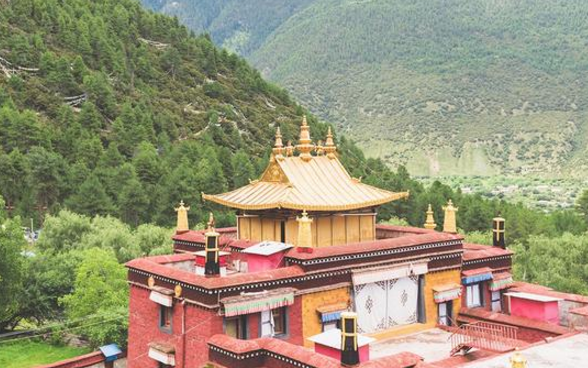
(107, 108)
(453, 87)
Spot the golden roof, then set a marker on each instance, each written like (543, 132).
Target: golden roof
(318, 184)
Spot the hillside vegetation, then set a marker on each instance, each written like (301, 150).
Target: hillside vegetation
(446, 88)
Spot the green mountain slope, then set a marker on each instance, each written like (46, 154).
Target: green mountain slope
(454, 87)
(106, 108)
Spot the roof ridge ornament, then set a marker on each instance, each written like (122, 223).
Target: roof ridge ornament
(449, 222)
(182, 224)
(330, 147)
(278, 149)
(305, 145)
(430, 221)
(289, 149)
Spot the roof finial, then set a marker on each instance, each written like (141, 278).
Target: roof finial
(304, 145)
(210, 223)
(289, 149)
(304, 242)
(182, 224)
(319, 148)
(430, 221)
(278, 149)
(517, 360)
(450, 223)
(330, 147)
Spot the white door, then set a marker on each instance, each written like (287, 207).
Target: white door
(370, 304)
(267, 329)
(403, 296)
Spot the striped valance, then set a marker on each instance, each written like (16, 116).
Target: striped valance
(476, 275)
(248, 303)
(476, 278)
(330, 317)
(446, 293)
(501, 281)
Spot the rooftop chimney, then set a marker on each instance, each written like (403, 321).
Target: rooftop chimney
(498, 232)
(349, 344)
(182, 225)
(212, 265)
(430, 221)
(450, 222)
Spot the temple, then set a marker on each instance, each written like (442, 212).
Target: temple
(308, 278)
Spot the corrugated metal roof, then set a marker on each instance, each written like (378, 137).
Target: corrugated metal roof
(321, 184)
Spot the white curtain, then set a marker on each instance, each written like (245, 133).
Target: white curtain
(385, 304)
(403, 297)
(370, 304)
(267, 324)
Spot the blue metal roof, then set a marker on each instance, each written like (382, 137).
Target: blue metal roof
(111, 352)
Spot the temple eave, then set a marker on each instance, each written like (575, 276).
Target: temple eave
(304, 206)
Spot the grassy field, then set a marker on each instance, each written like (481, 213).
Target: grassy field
(30, 354)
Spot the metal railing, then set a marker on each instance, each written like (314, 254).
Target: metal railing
(485, 336)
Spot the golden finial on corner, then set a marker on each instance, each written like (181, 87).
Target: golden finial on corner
(278, 149)
(450, 221)
(517, 360)
(319, 149)
(430, 221)
(182, 224)
(330, 147)
(210, 223)
(304, 145)
(304, 242)
(289, 149)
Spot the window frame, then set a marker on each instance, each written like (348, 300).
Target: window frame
(499, 300)
(470, 295)
(165, 311)
(242, 326)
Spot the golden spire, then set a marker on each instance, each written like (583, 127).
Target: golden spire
(450, 222)
(289, 149)
(278, 149)
(330, 147)
(430, 222)
(304, 145)
(182, 225)
(319, 148)
(304, 233)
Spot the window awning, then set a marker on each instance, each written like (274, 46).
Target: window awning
(476, 275)
(390, 273)
(248, 303)
(163, 353)
(447, 292)
(332, 312)
(161, 296)
(501, 281)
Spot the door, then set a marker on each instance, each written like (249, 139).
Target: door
(445, 316)
(385, 304)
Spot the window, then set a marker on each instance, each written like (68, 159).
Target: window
(165, 318)
(445, 313)
(474, 295)
(497, 301)
(331, 325)
(274, 322)
(283, 231)
(279, 317)
(236, 327)
(162, 365)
